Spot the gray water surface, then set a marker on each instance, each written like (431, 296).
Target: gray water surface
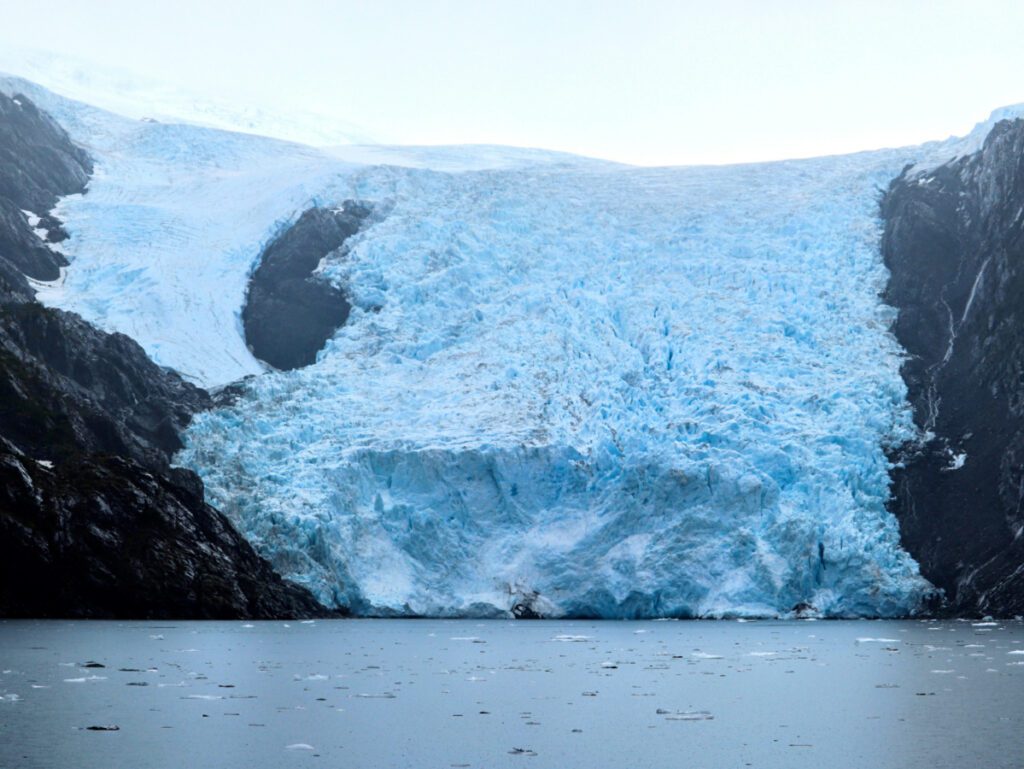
(408, 693)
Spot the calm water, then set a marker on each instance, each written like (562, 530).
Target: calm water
(394, 693)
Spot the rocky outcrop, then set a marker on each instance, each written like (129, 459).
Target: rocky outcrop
(290, 312)
(954, 243)
(101, 536)
(94, 521)
(38, 164)
(68, 388)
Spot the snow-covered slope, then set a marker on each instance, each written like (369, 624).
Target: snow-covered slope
(129, 94)
(176, 216)
(632, 392)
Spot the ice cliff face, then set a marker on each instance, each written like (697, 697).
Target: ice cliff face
(584, 388)
(633, 392)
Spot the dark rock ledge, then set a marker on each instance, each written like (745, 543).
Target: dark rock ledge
(290, 312)
(94, 522)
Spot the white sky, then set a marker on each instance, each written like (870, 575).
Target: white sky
(644, 82)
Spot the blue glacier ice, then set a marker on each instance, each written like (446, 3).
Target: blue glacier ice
(602, 389)
(634, 392)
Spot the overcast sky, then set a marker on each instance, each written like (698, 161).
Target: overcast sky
(644, 82)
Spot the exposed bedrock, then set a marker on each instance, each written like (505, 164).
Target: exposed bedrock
(94, 522)
(291, 312)
(954, 243)
(97, 535)
(38, 164)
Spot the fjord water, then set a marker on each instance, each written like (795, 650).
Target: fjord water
(459, 693)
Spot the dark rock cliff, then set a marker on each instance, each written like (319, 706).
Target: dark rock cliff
(38, 164)
(290, 313)
(93, 519)
(954, 243)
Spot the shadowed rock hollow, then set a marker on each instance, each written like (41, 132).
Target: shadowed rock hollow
(290, 312)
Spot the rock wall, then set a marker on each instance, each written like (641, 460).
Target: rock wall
(94, 522)
(954, 243)
(38, 163)
(290, 313)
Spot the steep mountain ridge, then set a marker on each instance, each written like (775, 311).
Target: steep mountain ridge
(954, 243)
(35, 159)
(94, 521)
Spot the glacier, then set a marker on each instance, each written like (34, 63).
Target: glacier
(628, 392)
(125, 92)
(596, 389)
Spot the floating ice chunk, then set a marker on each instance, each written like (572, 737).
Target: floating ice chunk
(690, 715)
